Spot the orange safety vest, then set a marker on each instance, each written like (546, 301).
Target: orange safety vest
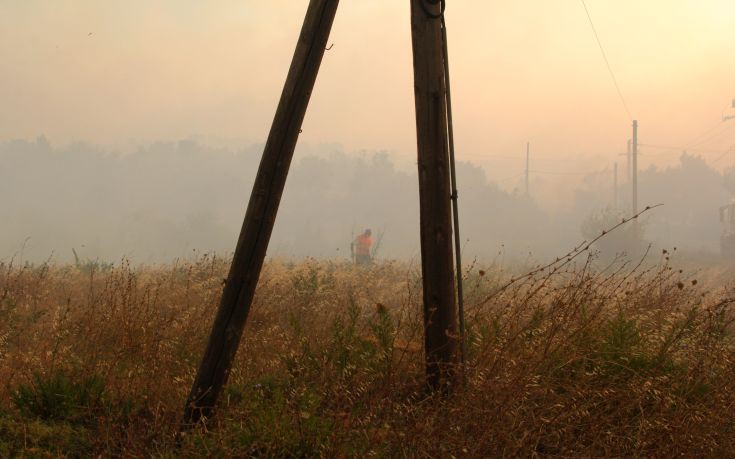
(363, 244)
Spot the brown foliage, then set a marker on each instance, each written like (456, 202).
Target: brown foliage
(620, 360)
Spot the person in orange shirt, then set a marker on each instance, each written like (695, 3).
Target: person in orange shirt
(362, 245)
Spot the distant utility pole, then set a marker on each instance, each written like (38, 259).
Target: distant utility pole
(437, 264)
(528, 161)
(615, 186)
(628, 172)
(634, 166)
(260, 216)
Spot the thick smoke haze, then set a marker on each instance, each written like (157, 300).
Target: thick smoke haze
(137, 72)
(171, 200)
(521, 213)
(95, 95)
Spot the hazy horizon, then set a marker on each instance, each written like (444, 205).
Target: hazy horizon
(169, 200)
(179, 84)
(116, 74)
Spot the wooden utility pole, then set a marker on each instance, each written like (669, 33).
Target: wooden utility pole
(440, 310)
(628, 172)
(634, 167)
(634, 179)
(261, 212)
(528, 162)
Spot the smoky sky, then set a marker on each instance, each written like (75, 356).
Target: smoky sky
(116, 73)
(109, 109)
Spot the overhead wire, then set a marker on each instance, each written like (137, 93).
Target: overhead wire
(453, 176)
(565, 173)
(732, 149)
(483, 156)
(607, 62)
(492, 156)
(454, 197)
(713, 136)
(704, 134)
(673, 149)
(507, 179)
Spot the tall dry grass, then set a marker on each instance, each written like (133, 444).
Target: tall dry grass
(577, 359)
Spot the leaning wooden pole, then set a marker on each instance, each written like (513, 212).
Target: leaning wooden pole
(440, 309)
(261, 212)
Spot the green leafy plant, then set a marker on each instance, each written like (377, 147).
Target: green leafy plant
(60, 397)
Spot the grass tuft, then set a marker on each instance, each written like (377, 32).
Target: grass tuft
(575, 359)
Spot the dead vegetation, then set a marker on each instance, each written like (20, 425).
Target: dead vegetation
(585, 360)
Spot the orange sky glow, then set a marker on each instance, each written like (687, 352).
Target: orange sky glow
(137, 71)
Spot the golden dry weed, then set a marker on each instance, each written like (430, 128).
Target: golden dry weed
(622, 360)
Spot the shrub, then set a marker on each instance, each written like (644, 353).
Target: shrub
(59, 397)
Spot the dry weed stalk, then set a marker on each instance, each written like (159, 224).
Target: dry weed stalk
(574, 359)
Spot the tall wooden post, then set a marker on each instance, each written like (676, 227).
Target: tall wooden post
(634, 179)
(628, 163)
(261, 212)
(440, 309)
(634, 168)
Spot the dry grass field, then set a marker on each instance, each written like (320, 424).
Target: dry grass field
(573, 360)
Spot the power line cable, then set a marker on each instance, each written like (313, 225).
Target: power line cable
(712, 137)
(723, 155)
(507, 179)
(673, 149)
(453, 180)
(704, 134)
(491, 156)
(565, 173)
(607, 62)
